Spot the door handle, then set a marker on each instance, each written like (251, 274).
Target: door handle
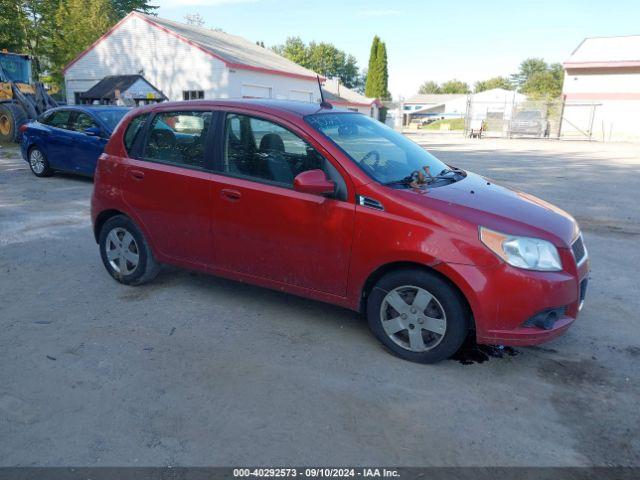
(230, 194)
(137, 174)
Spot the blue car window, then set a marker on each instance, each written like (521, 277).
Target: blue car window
(59, 119)
(111, 117)
(82, 122)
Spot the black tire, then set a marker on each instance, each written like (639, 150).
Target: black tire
(146, 268)
(12, 117)
(448, 301)
(38, 163)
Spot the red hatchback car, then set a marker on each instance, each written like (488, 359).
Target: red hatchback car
(334, 206)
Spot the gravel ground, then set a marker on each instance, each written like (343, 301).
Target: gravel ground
(195, 370)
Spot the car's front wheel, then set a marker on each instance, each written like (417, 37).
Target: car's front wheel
(418, 315)
(125, 252)
(38, 163)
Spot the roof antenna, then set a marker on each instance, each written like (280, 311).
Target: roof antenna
(323, 104)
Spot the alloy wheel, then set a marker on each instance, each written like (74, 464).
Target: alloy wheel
(36, 160)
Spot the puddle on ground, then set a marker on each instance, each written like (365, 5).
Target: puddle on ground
(471, 352)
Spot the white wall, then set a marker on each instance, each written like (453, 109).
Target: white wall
(243, 82)
(604, 103)
(613, 120)
(364, 109)
(602, 81)
(174, 66)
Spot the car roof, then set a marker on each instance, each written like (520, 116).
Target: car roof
(299, 109)
(89, 108)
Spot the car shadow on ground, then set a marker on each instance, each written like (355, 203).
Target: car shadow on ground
(252, 296)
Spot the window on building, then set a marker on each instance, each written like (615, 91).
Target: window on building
(265, 151)
(192, 94)
(178, 138)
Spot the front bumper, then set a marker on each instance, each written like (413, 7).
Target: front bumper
(503, 298)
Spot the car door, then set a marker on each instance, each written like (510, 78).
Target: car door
(85, 148)
(167, 184)
(262, 226)
(57, 142)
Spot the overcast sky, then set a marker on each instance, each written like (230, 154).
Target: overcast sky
(426, 40)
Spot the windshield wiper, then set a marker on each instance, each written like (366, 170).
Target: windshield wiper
(454, 170)
(410, 180)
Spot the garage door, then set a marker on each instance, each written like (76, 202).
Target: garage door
(255, 91)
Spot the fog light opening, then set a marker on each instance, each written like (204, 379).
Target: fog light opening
(545, 319)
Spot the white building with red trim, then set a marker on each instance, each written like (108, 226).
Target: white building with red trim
(188, 62)
(340, 96)
(602, 90)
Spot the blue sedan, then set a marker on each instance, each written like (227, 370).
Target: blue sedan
(68, 139)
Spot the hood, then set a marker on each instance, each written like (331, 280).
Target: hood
(479, 201)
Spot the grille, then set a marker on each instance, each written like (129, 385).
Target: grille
(579, 252)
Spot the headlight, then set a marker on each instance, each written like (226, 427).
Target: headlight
(522, 252)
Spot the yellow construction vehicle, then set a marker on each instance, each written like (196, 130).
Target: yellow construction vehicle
(21, 99)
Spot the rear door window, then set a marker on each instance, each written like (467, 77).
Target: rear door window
(59, 119)
(178, 138)
(133, 134)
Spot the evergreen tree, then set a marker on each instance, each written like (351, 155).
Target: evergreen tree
(122, 8)
(373, 82)
(377, 85)
(383, 73)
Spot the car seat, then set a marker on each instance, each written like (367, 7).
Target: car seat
(272, 147)
(162, 145)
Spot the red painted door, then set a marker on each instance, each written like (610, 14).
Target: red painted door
(169, 188)
(262, 227)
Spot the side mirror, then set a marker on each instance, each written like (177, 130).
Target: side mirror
(313, 181)
(92, 131)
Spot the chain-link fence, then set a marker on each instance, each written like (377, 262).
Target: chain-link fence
(537, 119)
(517, 117)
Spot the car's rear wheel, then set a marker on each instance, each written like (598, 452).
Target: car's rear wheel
(418, 315)
(125, 252)
(38, 163)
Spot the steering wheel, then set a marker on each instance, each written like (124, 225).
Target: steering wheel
(372, 153)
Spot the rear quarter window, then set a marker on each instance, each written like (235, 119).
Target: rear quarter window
(133, 133)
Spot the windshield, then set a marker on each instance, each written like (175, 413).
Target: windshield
(528, 115)
(380, 151)
(110, 117)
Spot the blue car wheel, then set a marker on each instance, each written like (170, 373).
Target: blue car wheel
(38, 163)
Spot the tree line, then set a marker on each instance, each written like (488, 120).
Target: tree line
(535, 78)
(331, 62)
(53, 32)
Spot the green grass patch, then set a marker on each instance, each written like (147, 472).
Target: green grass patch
(454, 124)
